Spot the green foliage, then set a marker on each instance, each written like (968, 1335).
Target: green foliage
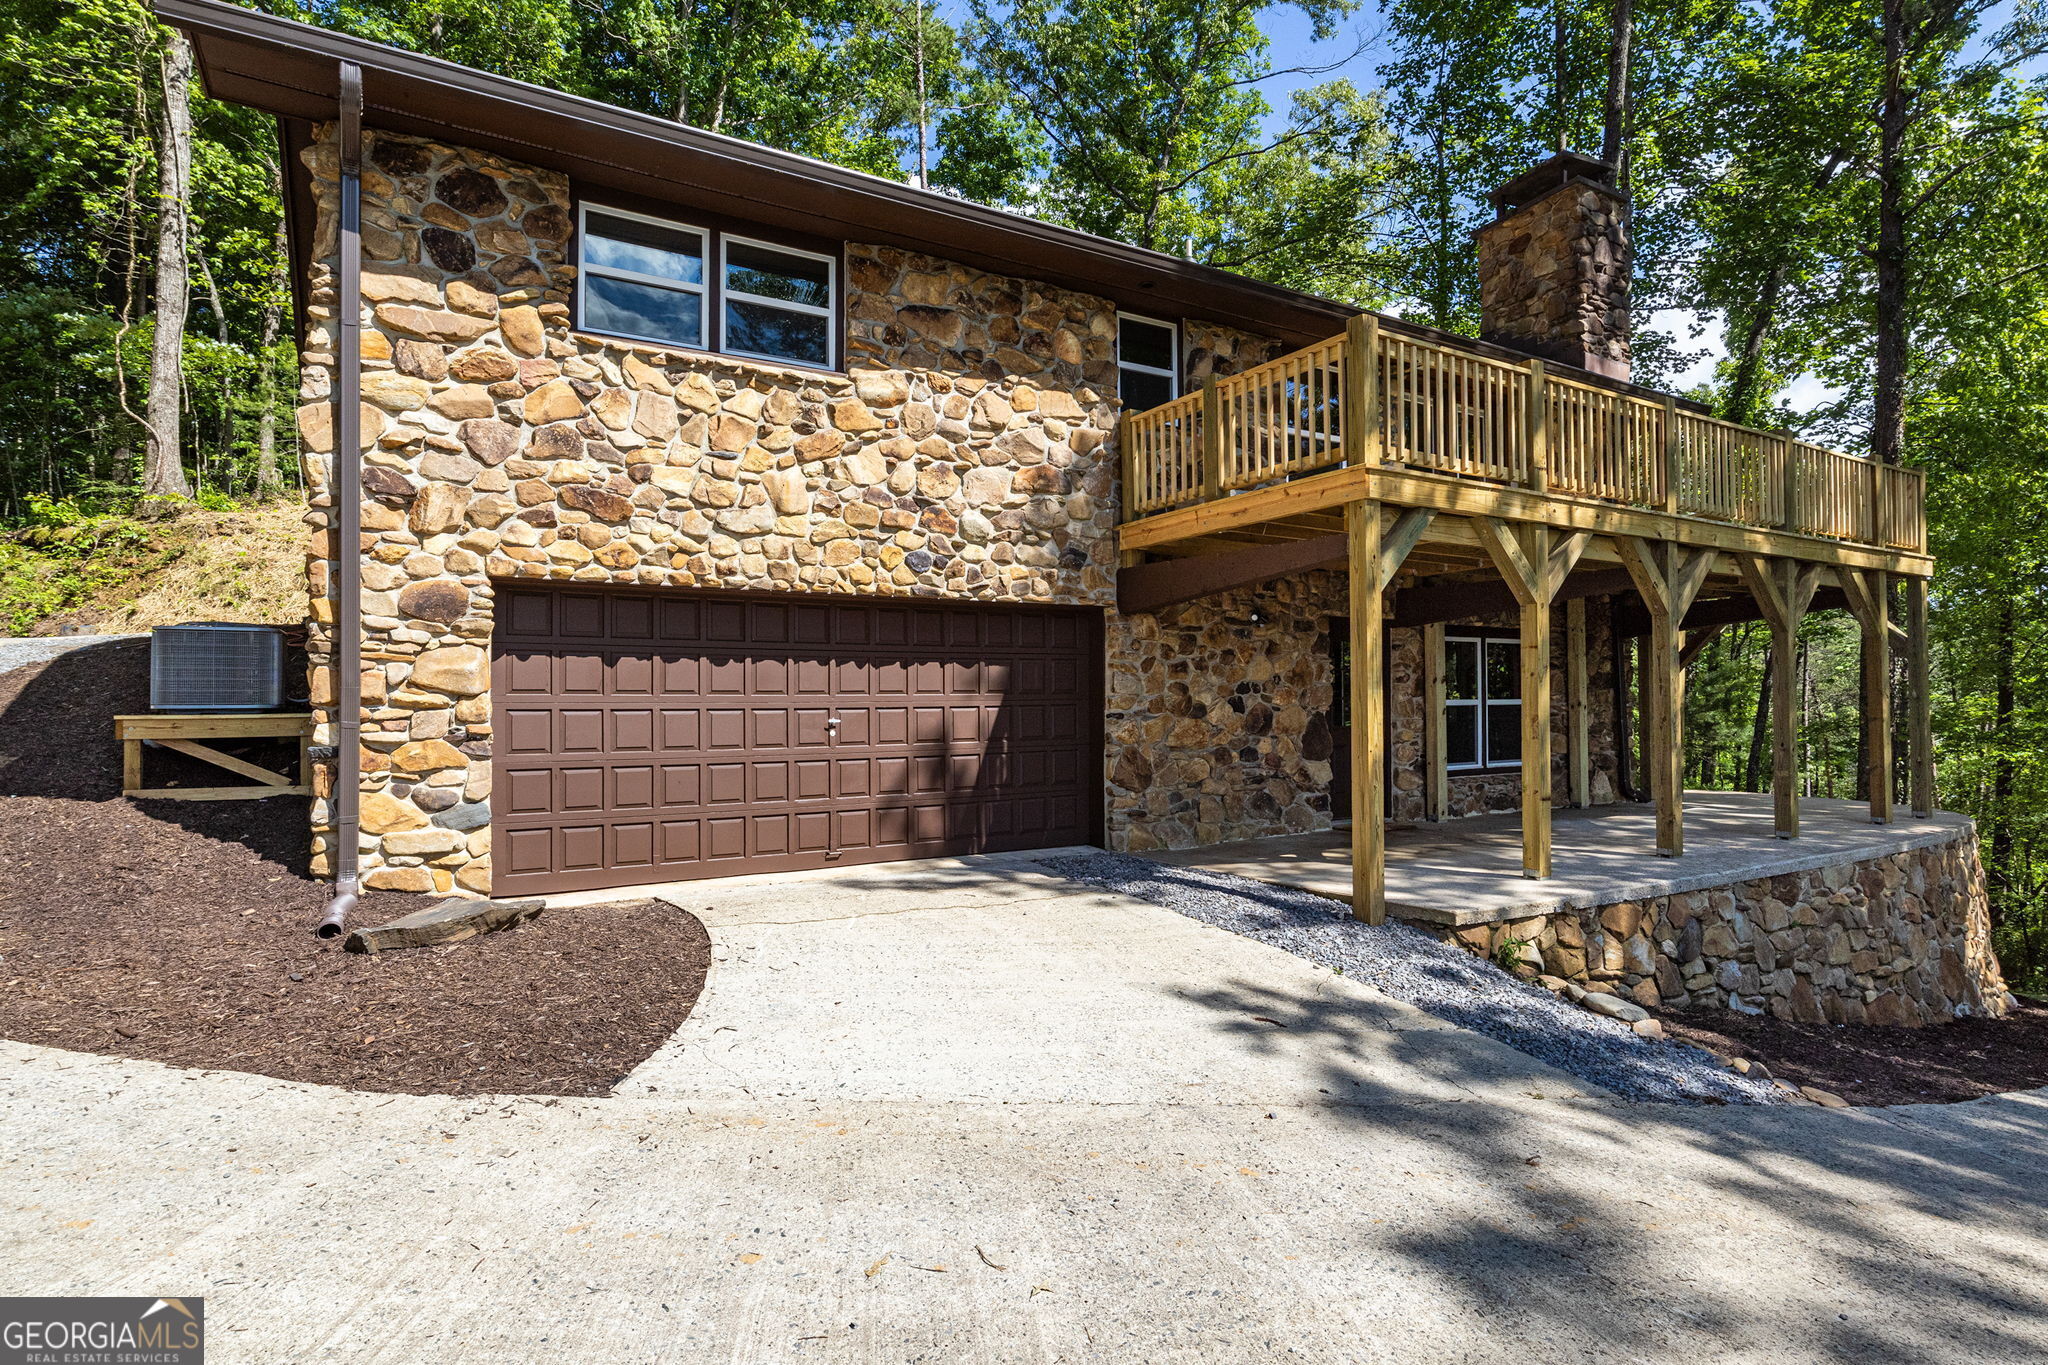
(62, 557)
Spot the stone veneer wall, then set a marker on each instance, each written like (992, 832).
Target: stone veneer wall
(1218, 726)
(1901, 939)
(1554, 278)
(964, 457)
(1484, 792)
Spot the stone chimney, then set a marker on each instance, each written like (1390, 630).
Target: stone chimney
(1554, 266)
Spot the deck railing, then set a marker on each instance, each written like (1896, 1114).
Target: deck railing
(1456, 412)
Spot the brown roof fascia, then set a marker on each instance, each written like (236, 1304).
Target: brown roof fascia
(290, 69)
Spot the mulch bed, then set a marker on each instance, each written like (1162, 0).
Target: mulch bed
(1963, 1060)
(181, 932)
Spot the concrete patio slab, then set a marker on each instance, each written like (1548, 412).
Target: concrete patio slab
(992, 980)
(1470, 871)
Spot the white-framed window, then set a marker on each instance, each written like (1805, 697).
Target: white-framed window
(641, 277)
(653, 279)
(1147, 361)
(1482, 702)
(777, 302)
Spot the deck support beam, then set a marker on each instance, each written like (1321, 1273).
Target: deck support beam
(1368, 713)
(1919, 701)
(1668, 577)
(1535, 561)
(1436, 777)
(1783, 589)
(1376, 554)
(1870, 599)
(1577, 704)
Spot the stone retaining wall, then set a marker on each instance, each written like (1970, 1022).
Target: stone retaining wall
(1901, 939)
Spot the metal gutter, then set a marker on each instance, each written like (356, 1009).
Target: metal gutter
(345, 490)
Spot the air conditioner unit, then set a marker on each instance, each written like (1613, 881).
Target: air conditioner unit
(216, 666)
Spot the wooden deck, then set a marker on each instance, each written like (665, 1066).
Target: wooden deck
(1490, 485)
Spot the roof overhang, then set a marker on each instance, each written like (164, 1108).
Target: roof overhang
(291, 69)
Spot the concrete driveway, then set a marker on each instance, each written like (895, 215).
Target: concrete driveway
(967, 1113)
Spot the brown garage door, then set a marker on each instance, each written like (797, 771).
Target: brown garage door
(657, 736)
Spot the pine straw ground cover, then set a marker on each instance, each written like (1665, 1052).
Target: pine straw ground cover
(180, 932)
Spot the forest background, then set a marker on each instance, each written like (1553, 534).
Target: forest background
(1841, 228)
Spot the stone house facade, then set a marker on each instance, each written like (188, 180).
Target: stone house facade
(965, 452)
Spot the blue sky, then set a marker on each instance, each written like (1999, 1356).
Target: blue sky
(1360, 48)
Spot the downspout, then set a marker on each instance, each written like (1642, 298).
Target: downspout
(345, 491)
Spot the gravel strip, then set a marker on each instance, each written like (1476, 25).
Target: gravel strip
(1439, 978)
(23, 650)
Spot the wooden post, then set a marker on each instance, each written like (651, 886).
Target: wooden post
(1212, 441)
(1877, 697)
(1360, 412)
(1578, 708)
(1534, 561)
(1919, 702)
(1783, 590)
(1880, 506)
(1668, 578)
(1788, 483)
(1368, 714)
(1537, 437)
(1535, 628)
(1869, 594)
(1436, 787)
(1672, 471)
(1127, 473)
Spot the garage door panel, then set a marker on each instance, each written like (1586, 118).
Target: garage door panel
(649, 736)
(681, 841)
(813, 779)
(580, 616)
(726, 837)
(854, 730)
(579, 790)
(771, 782)
(679, 676)
(582, 675)
(632, 675)
(725, 784)
(633, 845)
(527, 731)
(530, 674)
(582, 848)
(632, 617)
(580, 731)
(525, 791)
(725, 728)
(770, 726)
(633, 788)
(681, 619)
(681, 730)
(725, 620)
(682, 784)
(632, 731)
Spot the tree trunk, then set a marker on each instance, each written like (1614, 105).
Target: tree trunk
(1753, 773)
(2004, 701)
(163, 471)
(1888, 422)
(1615, 110)
(268, 482)
(1560, 58)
